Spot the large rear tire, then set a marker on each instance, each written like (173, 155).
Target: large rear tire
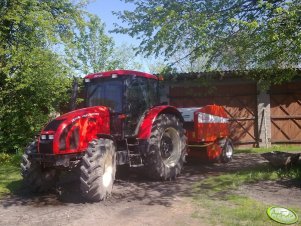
(35, 177)
(98, 170)
(167, 148)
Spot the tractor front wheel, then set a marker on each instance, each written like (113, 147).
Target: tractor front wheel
(98, 170)
(167, 148)
(35, 177)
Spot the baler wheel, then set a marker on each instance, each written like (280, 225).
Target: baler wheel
(167, 148)
(36, 178)
(227, 151)
(97, 173)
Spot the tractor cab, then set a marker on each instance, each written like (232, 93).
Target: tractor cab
(128, 95)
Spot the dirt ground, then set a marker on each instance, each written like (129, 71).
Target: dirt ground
(136, 201)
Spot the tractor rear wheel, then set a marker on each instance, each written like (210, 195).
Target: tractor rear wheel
(167, 148)
(98, 170)
(35, 177)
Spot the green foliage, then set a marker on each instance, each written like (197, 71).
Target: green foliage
(5, 158)
(123, 57)
(92, 51)
(243, 34)
(90, 48)
(10, 159)
(33, 77)
(28, 97)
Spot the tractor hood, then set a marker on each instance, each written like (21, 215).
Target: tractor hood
(82, 113)
(72, 132)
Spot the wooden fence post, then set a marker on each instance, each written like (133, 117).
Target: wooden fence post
(263, 118)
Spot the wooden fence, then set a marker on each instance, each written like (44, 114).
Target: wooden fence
(240, 99)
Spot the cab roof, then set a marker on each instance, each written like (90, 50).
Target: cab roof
(120, 73)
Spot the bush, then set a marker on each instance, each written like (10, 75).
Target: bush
(10, 159)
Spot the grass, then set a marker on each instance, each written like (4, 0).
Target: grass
(234, 210)
(285, 148)
(10, 178)
(215, 194)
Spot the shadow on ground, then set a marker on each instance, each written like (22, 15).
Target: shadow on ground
(136, 188)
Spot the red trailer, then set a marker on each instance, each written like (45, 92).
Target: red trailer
(207, 130)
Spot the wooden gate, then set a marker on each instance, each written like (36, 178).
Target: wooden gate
(286, 113)
(239, 101)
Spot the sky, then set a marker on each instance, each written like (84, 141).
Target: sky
(104, 8)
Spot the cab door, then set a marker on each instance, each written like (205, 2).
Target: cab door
(137, 102)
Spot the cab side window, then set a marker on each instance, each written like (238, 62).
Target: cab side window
(135, 95)
(153, 92)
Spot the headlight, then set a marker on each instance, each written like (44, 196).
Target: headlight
(43, 137)
(51, 137)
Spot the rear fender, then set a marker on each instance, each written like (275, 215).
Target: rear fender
(146, 124)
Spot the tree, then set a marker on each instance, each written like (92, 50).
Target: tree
(94, 51)
(29, 97)
(179, 64)
(33, 77)
(242, 34)
(91, 48)
(124, 57)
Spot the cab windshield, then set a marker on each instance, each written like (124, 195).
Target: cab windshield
(105, 92)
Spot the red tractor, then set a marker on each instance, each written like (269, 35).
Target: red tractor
(123, 123)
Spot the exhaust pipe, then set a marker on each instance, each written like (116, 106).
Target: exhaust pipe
(74, 94)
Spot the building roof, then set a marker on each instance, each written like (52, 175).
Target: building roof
(220, 75)
(120, 73)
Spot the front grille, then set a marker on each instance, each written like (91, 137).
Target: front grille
(46, 146)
